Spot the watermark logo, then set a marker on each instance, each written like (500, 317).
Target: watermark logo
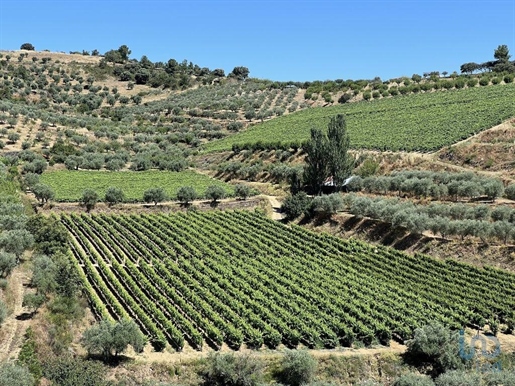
(485, 359)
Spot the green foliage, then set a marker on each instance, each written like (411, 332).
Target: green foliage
(340, 162)
(7, 263)
(3, 312)
(242, 191)
(50, 236)
(89, 199)
(154, 195)
(327, 205)
(27, 46)
(436, 346)
(33, 301)
(15, 375)
(43, 193)
(215, 193)
(298, 367)
(28, 356)
(112, 338)
(296, 205)
(16, 241)
(233, 370)
(114, 195)
(412, 379)
(186, 194)
(459, 378)
(68, 371)
(316, 168)
(510, 192)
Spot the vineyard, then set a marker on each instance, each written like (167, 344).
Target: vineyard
(69, 185)
(434, 119)
(221, 277)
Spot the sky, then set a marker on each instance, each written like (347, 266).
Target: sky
(281, 40)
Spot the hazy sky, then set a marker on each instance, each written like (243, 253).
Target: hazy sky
(279, 40)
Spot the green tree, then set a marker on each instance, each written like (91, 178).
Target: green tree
(16, 241)
(114, 195)
(240, 72)
(297, 367)
(33, 301)
(43, 193)
(340, 163)
(215, 193)
(186, 194)
(7, 263)
(435, 347)
(89, 199)
(49, 233)
(296, 205)
(502, 53)
(112, 338)
(316, 168)
(154, 195)
(27, 46)
(242, 191)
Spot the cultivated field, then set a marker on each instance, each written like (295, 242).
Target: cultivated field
(69, 185)
(422, 122)
(236, 277)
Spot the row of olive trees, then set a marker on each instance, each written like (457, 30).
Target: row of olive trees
(185, 195)
(445, 220)
(436, 185)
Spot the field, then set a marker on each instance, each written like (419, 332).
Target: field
(237, 278)
(422, 122)
(69, 185)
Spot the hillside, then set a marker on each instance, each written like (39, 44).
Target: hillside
(123, 205)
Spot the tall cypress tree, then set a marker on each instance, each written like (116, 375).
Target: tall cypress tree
(316, 169)
(340, 164)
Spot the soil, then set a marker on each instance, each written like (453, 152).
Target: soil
(14, 326)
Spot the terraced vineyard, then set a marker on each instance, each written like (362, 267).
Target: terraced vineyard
(69, 184)
(422, 122)
(239, 278)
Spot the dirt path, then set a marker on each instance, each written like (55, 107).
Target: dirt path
(276, 208)
(149, 356)
(14, 326)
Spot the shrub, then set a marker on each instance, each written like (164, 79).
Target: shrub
(458, 378)
(296, 205)
(298, 367)
(15, 375)
(242, 191)
(413, 380)
(68, 371)
(186, 194)
(509, 192)
(434, 346)
(232, 370)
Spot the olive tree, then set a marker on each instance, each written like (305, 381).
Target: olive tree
(215, 193)
(114, 195)
(43, 193)
(89, 199)
(112, 338)
(154, 195)
(186, 194)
